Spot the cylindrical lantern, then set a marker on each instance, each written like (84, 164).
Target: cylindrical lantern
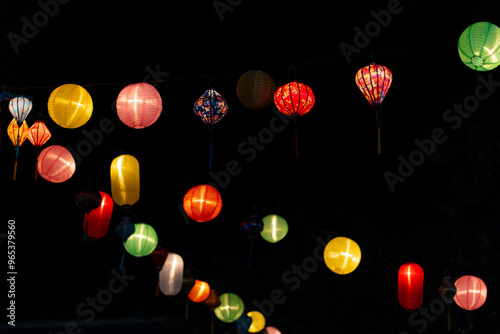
(471, 292)
(479, 46)
(199, 292)
(56, 164)
(410, 286)
(38, 134)
(202, 203)
(258, 321)
(70, 106)
(230, 309)
(96, 223)
(342, 255)
(275, 228)
(125, 180)
(143, 241)
(271, 330)
(294, 99)
(171, 275)
(20, 107)
(139, 105)
(255, 89)
(16, 133)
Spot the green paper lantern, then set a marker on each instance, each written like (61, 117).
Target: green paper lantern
(143, 241)
(479, 46)
(230, 309)
(275, 228)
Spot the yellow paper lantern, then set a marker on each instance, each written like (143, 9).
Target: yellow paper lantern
(255, 89)
(342, 255)
(258, 321)
(70, 106)
(125, 180)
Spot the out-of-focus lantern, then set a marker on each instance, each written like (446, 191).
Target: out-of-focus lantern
(251, 227)
(143, 241)
(479, 46)
(447, 291)
(70, 106)
(212, 302)
(171, 275)
(202, 203)
(258, 321)
(342, 255)
(17, 133)
(230, 309)
(271, 330)
(124, 229)
(275, 228)
(374, 81)
(471, 292)
(255, 89)
(56, 164)
(410, 286)
(96, 222)
(199, 292)
(139, 105)
(125, 180)
(243, 324)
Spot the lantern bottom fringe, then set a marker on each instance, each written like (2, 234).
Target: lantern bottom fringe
(15, 170)
(378, 140)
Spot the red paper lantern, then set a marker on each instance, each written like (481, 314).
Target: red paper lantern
(202, 203)
(294, 99)
(410, 286)
(56, 164)
(471, 292)
(96, 222)
(139, 105)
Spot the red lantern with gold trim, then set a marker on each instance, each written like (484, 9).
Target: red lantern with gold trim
(202, 203)
(410, 286)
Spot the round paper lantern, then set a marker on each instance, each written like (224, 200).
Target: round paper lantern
(139, 105)
(171, 274)
(20, 107)
(410, 286)
(143, 241)
(479, 46)
(255, 89)
(125, 180)
(342, 255)
(96, 222)
(272, 330)
(199, 292)
(258, 321)
(294, 99)
(202, 203)
(230, 309)
(275, 228)
(56, 164)
(70, 106)
(471, 292)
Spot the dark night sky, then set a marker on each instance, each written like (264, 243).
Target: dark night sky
(444, 215)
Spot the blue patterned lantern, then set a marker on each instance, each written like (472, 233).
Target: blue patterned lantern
(20, 107)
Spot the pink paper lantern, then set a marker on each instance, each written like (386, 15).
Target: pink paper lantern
(56, 164)
(272, 330)
(471, 292)
(139, 105)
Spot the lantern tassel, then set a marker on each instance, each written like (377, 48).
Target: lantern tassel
(17, 155)
(296, 140)
(210, 154)
(122, 261)
(211, 322)
(378, 115)
(449, 318)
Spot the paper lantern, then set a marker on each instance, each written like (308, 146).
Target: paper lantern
(294, 99)
(275, 228)
(125, 180)
(16, 133)
(20, 107)
(230, 309)
(171, 275)
(38, 134)
(56, 164)
(88, 200)
(139, 105)
(96, 222)
(255, 89)
(410, 286)
(70, 106)
(479, 46)
(271, 330)
(342, 255)
(258, 321)
(213, 300)
(471, 292)
(159, 256)
(202, 203)
(243, 324)
(447, 290)
(143, 241)
(199, 292)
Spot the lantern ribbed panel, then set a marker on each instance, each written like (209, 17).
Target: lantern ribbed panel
(342, 255)
(125, 180)
(202, 203)
(70, 106)
(20, 107)
(96, 222)
(171, 275)
(139, 105)
(56, 164)
(294, 99)
(210, 107)
(374, 81)
(410, 286)
(143, 241)
(199, 292)
(255, 89)
(471, 292)
(38, 134)
(479, 46)
(275, 228)
(15, 132)
(230, 309)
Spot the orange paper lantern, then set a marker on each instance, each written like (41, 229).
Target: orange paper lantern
(56, 164)
(202, 203)
(139, 105)
(199, 292)
(38, 134)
